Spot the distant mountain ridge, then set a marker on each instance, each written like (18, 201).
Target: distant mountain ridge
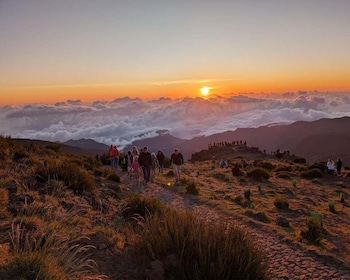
(315, 140)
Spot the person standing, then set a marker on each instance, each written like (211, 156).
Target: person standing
(135, 151)
(111, 154)
(339, 164)
(330, 166)
(115, 157)
(154, 166)
(176, 160)
(135, 169)
(160, 158)
(128, 161)
(145, 161)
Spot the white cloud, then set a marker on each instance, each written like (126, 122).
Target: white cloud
(125, 119)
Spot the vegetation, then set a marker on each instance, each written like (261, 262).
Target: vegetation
(194, 244)
(65, 216)
(258, 173)
(312, 230)
(192, 186)
(311, 174)
(281, 202)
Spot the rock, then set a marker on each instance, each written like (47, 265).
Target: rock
(282, 222)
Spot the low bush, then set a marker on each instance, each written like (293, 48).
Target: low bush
(281, 202)
(247, 194)
(266, 165)
(312, 230)
(192, 186)
(138, 205)
(48, 256)
(299, 160)
(75, 178)
(222, 177)
(114, 177)
(200, 250)
(258, 173)
(331, 206)
(322, 166)
(283, 175)
(281, 168)
(170, 174)
(311, 174)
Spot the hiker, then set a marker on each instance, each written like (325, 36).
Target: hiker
(330, 166)
(339, 164)
(155, 165)
(116, 154)
(111, 154)
(236, 170)
(128, 159)
(135, 170)
(145, 161)
(223, 163)
(176, 160)
(135, 151)
(161, 158)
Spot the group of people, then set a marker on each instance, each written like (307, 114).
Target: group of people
(145, 163)
(331, 166)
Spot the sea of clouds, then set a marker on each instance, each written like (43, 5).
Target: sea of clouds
(124, 120)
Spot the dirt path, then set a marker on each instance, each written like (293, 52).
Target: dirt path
(286, 260)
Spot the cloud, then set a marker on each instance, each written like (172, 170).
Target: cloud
(189, 81)
(125, 120)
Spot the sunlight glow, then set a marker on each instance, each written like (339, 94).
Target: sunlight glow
(205, 91)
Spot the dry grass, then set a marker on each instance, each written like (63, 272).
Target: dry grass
(50, 219)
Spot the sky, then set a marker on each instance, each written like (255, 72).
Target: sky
(52, 51)
(116, 71)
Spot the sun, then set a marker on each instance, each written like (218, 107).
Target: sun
(205, 91)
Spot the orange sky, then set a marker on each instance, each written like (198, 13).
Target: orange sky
(87, 93)
(64, 50)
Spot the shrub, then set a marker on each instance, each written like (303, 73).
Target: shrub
(311, 174)
(139, 205)
(222, 177)
(191, 186)
(283, 175)
(75, 178)
(312, 230)
(322, 166)
(170, 173)
(299, 160)
(331, 206)
(54, 147)
(247, 194)
(258, 173)
(266, 165)
(114, 177)
(299, 168)
(49, 256)
(281, 202)
(200, 249)
(281, 168)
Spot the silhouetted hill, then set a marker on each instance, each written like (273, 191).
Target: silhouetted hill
(316, 140)
(88, 144)
(63, 147)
